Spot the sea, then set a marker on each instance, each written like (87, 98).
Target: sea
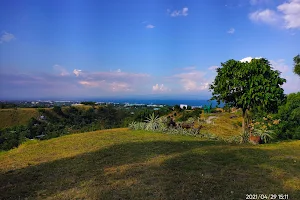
(169, 102)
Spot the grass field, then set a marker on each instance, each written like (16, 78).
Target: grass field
(223, 125)
(15, 117)
(124, 164)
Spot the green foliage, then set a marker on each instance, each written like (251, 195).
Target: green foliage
(289, 114)
(59, 122)
(297, 64)
(190, 114)
(264, 134)
(152, 122)
(245, 137)
(88, 103)
(248, 85)
(4, 105)
(177, 108)
(155, 124)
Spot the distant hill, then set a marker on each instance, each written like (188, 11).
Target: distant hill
(14, 117)
(124, 164)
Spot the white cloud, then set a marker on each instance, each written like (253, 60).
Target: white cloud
(193, 80)
(120, 87)
(266, 16)
(107, 86)
(177, 13)
(185, 11)
(213, 68)
(113, 81)
(6, 37)
(292, 83)
(287, 15)
(150, 26)
(248, 59)
(62, 71)
(92, 83)
(291, 13)
(279, 65)
(77, 72)
(231, 31)
(159, 88)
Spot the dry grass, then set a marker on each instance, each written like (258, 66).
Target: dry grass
(14, 117)
(223, 126)
(124, 164)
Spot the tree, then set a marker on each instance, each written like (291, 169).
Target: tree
(289, 115)
(297, 64)
(248, 85)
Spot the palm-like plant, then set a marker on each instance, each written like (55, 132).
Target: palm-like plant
(152, 122)
(264, 134)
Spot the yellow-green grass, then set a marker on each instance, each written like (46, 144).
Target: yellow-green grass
(15, 117)
(223, 125)
(124, 164)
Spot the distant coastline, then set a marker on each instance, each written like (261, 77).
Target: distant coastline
(168, 102)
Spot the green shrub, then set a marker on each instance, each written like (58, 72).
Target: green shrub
(289, 114)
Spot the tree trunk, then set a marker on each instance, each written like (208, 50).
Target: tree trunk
(243, 124)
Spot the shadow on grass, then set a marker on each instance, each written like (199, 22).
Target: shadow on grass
(151, 170)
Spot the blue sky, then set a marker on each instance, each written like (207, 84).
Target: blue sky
(134, 48)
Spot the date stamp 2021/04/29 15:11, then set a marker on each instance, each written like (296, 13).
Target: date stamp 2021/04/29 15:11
(267, 196)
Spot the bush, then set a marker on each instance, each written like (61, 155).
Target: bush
(289, 114)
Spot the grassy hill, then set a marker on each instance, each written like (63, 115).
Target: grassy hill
(124, 164)
(15, 117)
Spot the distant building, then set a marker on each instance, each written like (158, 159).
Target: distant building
(183, 105)
(194, 107)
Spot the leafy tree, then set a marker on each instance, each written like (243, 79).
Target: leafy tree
(248, 85)
(297, 64)
(177, 108)
(289, 115)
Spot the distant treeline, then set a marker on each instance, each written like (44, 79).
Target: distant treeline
(4, 105)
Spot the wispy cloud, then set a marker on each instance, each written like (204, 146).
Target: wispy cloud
(279, 65)
(213, 68)
(113, 81)
(192, 80)
(231, 31)
(159, 88)
(287, 15)
(291, 13)
(77, 72)
(6, 37)
(176, 13)
(266, 16)
(81, 83)
(150, 26)
(62, 71)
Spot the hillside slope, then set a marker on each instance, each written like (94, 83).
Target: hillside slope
(15, 117)
(124, 164)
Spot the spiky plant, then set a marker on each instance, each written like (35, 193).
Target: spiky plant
(152, 122)
(244, 137)
(132, 125)
(264, 134)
